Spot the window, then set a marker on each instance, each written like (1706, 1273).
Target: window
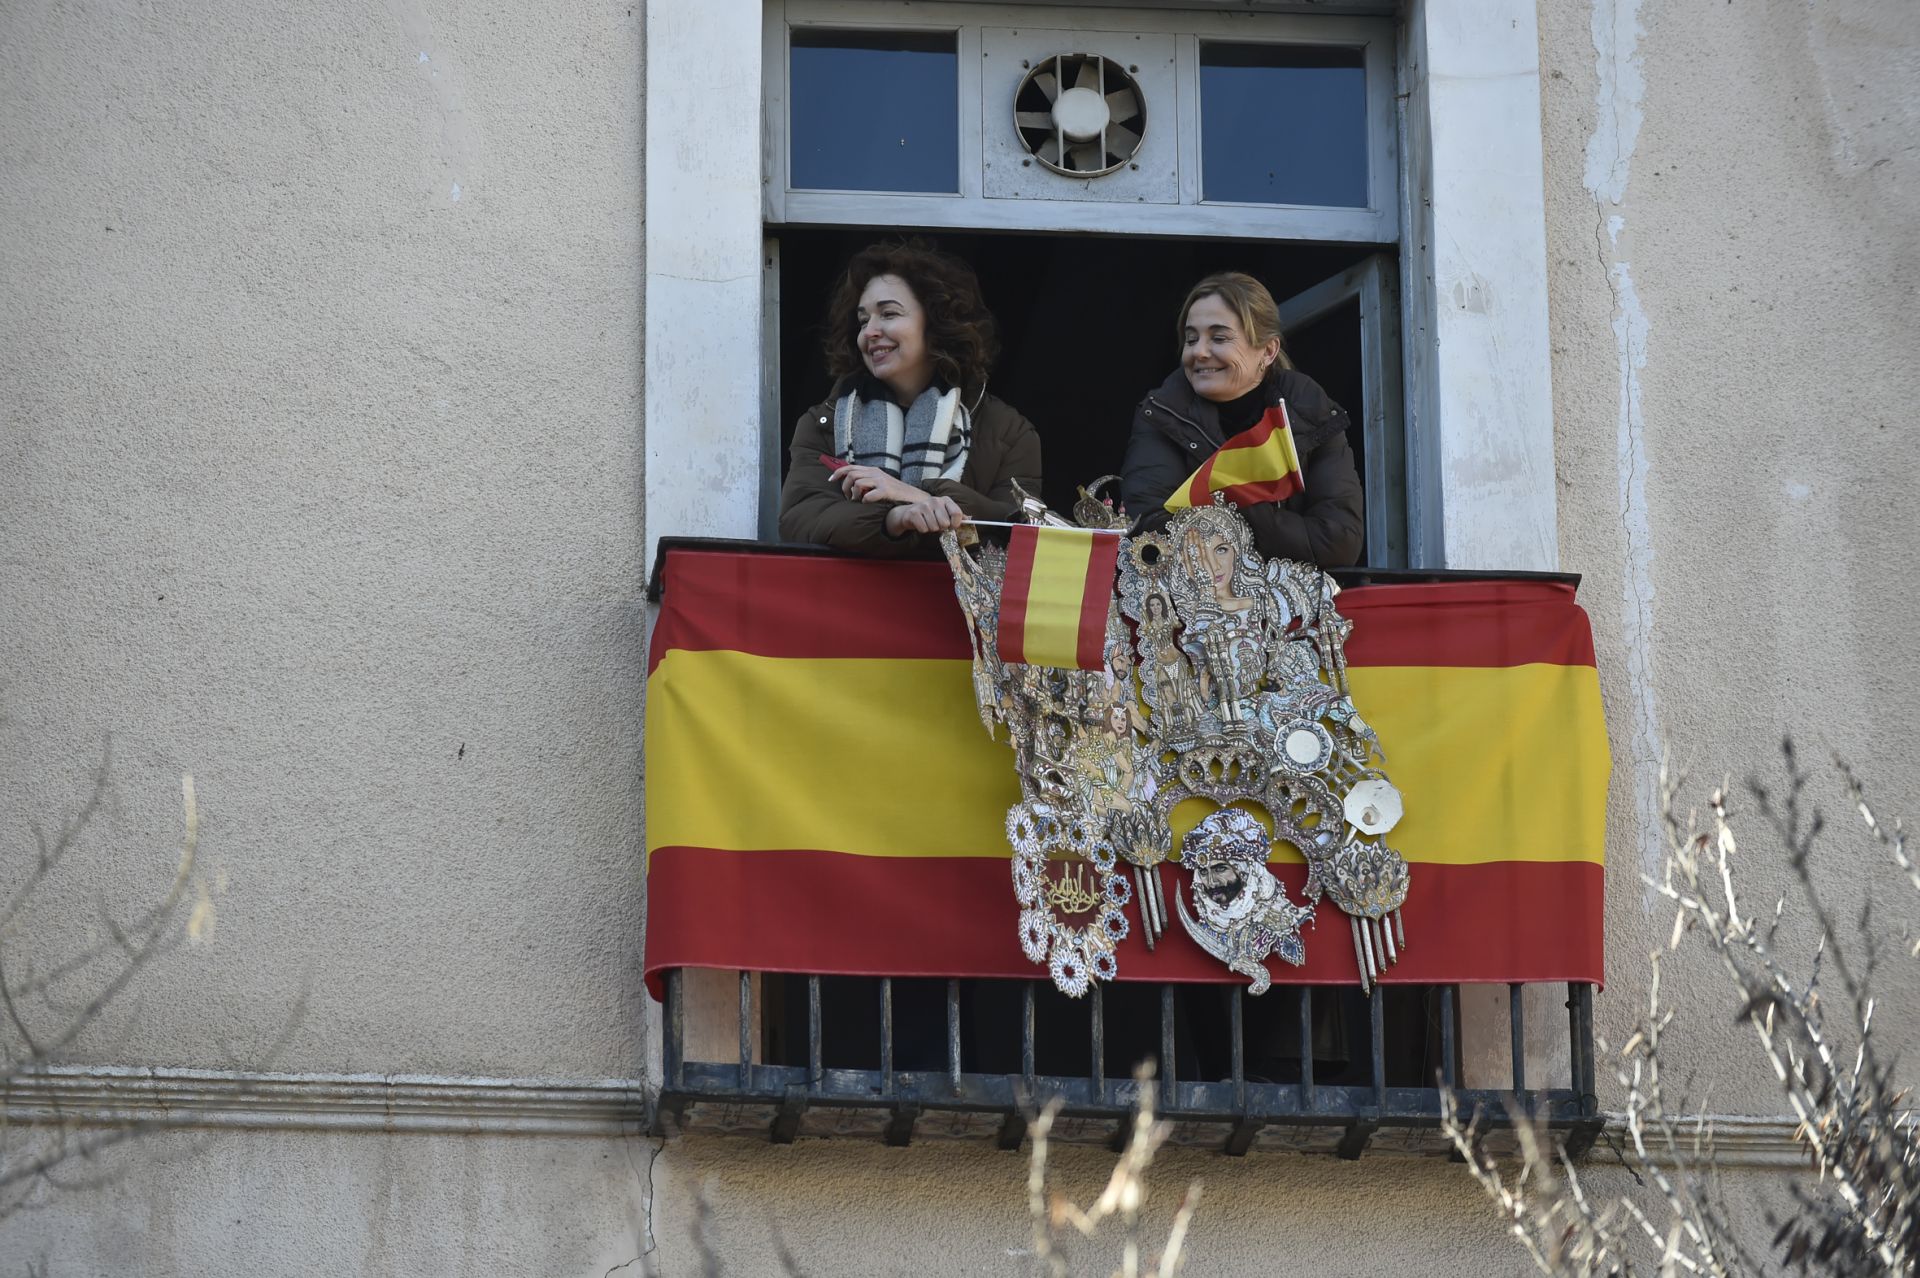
(839, 141)
(1283, 124)
(1271, 152)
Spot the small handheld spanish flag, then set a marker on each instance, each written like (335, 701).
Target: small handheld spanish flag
(1259, 464)
(1054, 598)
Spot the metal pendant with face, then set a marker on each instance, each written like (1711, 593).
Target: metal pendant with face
(1241, 912)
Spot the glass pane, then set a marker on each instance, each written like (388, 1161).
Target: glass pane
(874, 111)
(1283, 124)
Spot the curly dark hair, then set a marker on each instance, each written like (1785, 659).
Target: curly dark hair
(960, 330)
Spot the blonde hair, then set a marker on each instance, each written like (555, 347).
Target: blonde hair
(1252, 305)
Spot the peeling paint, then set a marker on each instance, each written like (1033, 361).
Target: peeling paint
(1616, 130)
(1616, 125)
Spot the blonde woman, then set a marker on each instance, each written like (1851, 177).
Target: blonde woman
(1233, 368)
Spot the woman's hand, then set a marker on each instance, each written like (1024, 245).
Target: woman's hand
(929, 514)
(870, 483)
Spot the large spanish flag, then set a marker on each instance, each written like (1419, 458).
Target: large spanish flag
(1259, 464)
(821, 796)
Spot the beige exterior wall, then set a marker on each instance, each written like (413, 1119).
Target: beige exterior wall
(1750, 566)
(312, 475)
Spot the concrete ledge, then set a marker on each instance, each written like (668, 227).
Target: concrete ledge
(111, 1096)
(1737, 1140)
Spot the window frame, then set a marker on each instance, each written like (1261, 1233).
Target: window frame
(972, 209)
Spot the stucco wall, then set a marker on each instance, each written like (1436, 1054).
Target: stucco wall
(325, 486)
(1734, 256)
(320, 480)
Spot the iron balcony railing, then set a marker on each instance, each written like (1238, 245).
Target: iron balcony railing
(1235, 1114)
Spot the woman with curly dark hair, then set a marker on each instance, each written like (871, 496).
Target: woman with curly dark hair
(908, 444)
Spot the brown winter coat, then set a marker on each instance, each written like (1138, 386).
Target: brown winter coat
(1005, 448)
(1175, 429)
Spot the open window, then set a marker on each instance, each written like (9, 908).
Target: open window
(1087, 328)
(1186, 142)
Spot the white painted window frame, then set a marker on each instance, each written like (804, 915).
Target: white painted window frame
(1473, 277)
(971, 209)
(1473, 291)
(1372, 283)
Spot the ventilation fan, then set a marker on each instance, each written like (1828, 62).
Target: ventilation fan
(1080, 114)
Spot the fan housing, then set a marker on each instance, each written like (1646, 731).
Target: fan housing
(1080, 115)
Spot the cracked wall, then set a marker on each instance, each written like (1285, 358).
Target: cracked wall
(1734, 256)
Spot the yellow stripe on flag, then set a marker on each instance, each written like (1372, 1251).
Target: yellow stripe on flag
(888, 758)
(1274, 458)
(1056, 595)
(875, 757)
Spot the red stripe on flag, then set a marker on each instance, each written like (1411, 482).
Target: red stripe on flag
(1199, 493)
(822, 605)
(837, 914)
(1466, 623)
(1090, 652)
(831, 606)
(1022, 544)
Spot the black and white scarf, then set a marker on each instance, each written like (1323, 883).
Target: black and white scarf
(930, 439)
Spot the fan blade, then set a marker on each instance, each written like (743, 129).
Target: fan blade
(1123, 104)
(1089, 76)
(1048, 86)
(1033, 119)
(1122, 140)
(1087, 157)
(1049, 151)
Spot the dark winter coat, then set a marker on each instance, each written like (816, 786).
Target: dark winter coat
(1174, 430)
(1005, 448)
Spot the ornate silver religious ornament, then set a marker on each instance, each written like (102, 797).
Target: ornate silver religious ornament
(1243, 667)
(1240, 666)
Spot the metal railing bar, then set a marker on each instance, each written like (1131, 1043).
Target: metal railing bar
(1026, 1033)
(1580, 1018)
(1517, 1022)
(1448, 1013)
(1240, 1138)
(1377, 1032)
(746, 1030)
(953, 1034)
(886, 1035)
(1304, 996)
(1099, 1028)
(674, 1049)
(1167, 1079)
(1237, 1030)
(813, 1031)
(1575, 1054)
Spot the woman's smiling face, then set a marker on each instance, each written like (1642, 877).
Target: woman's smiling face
(1220, 362)
(892, 337)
